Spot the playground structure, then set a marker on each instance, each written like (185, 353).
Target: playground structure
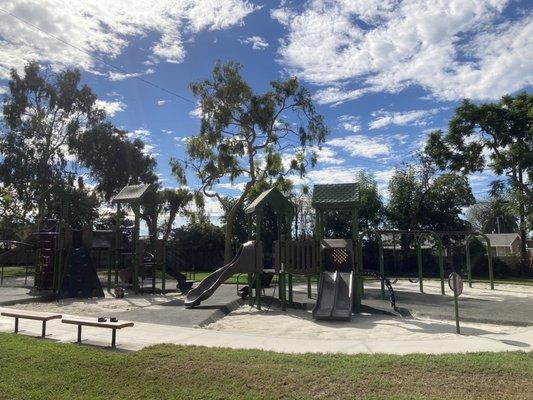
(334, 260)
(66, 259)
(337, 263)
(132, 257)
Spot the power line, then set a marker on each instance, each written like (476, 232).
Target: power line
(140, 78)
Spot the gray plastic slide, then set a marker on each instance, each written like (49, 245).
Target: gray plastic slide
(342, 309)
(243, 262)
(335, 294)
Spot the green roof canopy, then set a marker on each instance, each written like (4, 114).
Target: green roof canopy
(131, 193)
(275, 199)
(335, 196)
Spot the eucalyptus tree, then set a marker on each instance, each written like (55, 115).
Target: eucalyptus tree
(249, 137)
(498, 136)
(42, 111)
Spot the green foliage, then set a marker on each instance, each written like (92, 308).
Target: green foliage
(199, 236)
(41, 114)
(112, 159)
(371, 210)
(53, 127)
(419, 199)
(496, 214)
(503, 130)
(169, 203)
(243, 134)
(75, 203)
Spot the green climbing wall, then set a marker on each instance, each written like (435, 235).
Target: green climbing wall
(80, 279)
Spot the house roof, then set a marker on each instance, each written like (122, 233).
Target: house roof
(335, 196)
(502, 239)
(275, 199)
(131, 193)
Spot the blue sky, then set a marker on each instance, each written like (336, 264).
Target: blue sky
(383, 73)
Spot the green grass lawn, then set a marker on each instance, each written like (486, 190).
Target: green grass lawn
(512, 280)
(35, 369)
(16, 272)
(200, 275)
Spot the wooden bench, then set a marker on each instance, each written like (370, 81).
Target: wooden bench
(94, 323)
(19, 314)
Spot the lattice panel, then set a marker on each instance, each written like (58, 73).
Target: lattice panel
(340, 256)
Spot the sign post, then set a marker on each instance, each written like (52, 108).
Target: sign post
(456, 285)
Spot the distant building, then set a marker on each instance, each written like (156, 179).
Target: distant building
(504, 244)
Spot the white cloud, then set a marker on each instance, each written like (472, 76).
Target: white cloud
(161, 102)
(454, 49)
(326, 155)
(257, 42)
(337, 95)
(197, 112)
(110, 107)
(332, 175)
(382, 178)
(167, 131)
(414, 117)
(140, 133)
(238, 187)
(361, 146)
(349, 123)
(106, 28)
(119, 76)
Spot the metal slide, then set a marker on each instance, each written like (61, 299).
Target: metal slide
(244, 262)
(335, 295)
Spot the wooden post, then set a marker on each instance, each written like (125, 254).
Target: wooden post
(356, 261)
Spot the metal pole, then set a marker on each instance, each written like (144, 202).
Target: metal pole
(468, 261)
(109, 269)
(419, 262)
(456, 304)
(163, 268)
(136, 244)
(259, 262)
(491, 272)
(441, 260)
(281, 263)
(381, 263)
(117, 242)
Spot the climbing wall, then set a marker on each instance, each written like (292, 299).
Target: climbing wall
(80, 279)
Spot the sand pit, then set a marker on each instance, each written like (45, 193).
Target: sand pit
(97, 307)
(300, 324)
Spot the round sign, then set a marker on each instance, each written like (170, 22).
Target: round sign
(455, 282)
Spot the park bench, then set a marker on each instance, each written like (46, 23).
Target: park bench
(95, 324)
(36, 316)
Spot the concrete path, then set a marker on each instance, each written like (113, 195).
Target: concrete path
(146, 334)
(17, 294)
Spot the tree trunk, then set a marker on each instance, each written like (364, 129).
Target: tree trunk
(230, 222)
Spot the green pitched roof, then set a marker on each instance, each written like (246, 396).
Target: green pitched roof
(131, 193)
(275, 198)
(335, 196)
